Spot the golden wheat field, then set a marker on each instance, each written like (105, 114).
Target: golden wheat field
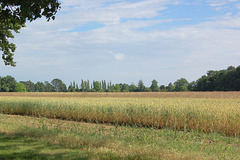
(201, 111)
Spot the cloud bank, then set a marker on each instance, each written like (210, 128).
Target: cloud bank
(152, 39)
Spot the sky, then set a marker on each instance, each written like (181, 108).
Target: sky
(129, 40)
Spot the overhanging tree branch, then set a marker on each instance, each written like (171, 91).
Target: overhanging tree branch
(13, 16)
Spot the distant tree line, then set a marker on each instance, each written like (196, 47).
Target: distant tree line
(223, 80)
(9, 84)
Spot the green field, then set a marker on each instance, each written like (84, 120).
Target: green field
(189, 125)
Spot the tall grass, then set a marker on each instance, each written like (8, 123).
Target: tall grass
(202, 114)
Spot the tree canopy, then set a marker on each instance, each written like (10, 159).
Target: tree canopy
(141, 86)
(58, 85)
(223, 80)
(181, 85)
(13, 16)
(154, 87)
(7, 84)
(20, 87)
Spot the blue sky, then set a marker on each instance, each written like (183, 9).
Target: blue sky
(128, 40)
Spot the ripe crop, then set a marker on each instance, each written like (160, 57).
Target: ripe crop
(206, 112)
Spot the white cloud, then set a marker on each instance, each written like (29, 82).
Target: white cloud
(219, 3)
(119, 56)
(112, 14)
(216, 3)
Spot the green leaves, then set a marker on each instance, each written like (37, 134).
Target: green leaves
(7, 48)
(154, 86)
(13, 16)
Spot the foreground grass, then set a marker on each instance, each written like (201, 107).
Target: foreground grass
(23, 137)
(21, 147)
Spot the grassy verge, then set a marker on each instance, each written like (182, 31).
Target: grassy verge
(23, 137)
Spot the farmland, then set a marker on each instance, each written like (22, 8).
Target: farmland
(154, 118)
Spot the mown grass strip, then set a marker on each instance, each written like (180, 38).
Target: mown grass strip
(53, 138)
